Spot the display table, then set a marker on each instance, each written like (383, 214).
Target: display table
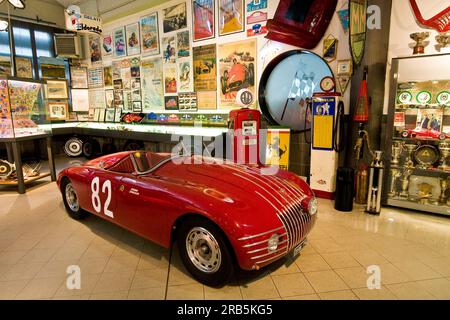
(13, 144)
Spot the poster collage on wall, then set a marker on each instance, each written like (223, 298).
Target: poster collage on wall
(159, 62)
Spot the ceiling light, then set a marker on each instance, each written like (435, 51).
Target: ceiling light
(19, 4)
(3, 25)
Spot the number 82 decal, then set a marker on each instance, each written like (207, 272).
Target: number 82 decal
(96, 202)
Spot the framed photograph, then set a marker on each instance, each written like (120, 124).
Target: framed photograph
(183, 44)
(169, 49)
(149, 34)
(120, 47)
(108, 76)
(137, 106)
(95, 50)
(80, 100)
(110, 115)
(171, 103)
(205, 68)
(79, 77)
(231, 17)
(57, 89)
(109, 98)
(203, 20)
(57, 111)
(133, 39)
(174, 18)
(107, 45)
(24, 68)
(117, 115)
(95, 77)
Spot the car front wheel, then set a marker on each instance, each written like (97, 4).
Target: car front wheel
(205, 252)
(71, 201)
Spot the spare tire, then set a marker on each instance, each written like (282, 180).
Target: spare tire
(91, 148)
(73, 147)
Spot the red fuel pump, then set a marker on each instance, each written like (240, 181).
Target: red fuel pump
(244, 126)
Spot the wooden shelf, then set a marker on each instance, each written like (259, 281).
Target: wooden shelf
(27, 181)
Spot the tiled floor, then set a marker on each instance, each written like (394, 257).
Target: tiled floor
(38, 242)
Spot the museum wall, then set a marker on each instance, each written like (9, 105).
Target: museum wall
(267, 49)
(47, 11)
(403, 23)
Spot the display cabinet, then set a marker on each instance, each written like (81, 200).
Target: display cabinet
(23, 119)
(418, 171)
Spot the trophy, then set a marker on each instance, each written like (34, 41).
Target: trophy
(397, 150)
(444, 148)
(425, 193)
(410, 148)
(395, 174)
(443, 39)
(419, 38)
(444, 186)
(405, 183)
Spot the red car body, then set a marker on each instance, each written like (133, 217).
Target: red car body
(421, 133)
(248, 206)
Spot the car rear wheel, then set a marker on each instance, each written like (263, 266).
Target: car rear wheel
(205, 252)
(405, 134)
(71, 201)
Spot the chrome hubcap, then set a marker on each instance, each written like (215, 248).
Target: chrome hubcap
(203, 250)
(72, 198)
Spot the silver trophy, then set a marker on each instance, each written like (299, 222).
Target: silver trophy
(444, 148)
(397, 149)
(410, 148)
(444, 186)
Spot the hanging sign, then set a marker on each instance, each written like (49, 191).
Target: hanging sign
(83, 23)
(358, 28)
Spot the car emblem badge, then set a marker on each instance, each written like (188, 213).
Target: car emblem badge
(122, 188)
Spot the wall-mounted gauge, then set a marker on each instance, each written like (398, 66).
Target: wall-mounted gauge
(328, 84)
(287, 86)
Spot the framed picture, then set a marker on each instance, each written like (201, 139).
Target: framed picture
(110, 115)
(117, 115)
(107, 45)
(80, 100)
(120, 47)
(137, 106)
(345, 67)
(95, 77)
(57, 111)
(149, 34)
(203, 20)
(95, 49)
(108, 76)
(133, 39)
(171, 103)
(24, 67)
(79, 77)
(57, 89)
(231, 17)
(174, 18)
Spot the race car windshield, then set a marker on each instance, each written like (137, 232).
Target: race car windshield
(146, 161)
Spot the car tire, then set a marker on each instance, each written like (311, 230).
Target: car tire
(442, 136)
(206, 244)
(91, 149)
(72, 205)
(405, 134)
(73, 147)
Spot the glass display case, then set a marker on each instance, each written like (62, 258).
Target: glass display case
(22, 109)
(418, 173)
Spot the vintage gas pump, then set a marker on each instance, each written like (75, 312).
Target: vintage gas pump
(244, 127)
(327, 112)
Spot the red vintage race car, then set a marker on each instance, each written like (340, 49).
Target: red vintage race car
(421, 133)
(221, 215)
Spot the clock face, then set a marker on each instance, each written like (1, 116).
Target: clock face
(288, 84)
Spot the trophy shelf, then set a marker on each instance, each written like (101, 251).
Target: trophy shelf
(406, 204)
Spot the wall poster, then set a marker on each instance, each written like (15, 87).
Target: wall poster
(170, 79)
(79, 77)
(183, 44)
(169, 49)
(171, 103)
(149, 34)
(174, 18)
(108, 76)
(95, 77)
(231, 16)
(120, 48)
(97, 99)
(24, 67)
(206, 100)
(205, 68)
(185, 82)
(133, 39)
(203, 22)
(109, 98)
(107, 45)
(95, 52)
(152, 85)
(237, 68)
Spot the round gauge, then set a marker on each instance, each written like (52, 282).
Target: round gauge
(423, 97)
(287, 86)
(405, 97)
(443, 98)
(327, 84)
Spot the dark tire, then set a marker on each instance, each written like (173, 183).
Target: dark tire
(73, 208)
(442, 136)
(133, 146)
(109, 148)
(210, 260)
(91, 148)
(405, 134)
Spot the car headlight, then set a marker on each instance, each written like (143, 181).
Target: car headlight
(313, 206)
(274, 241)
